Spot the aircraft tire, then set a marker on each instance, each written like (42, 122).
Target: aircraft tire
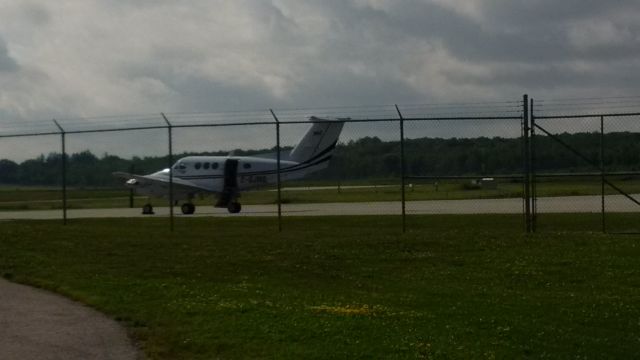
(234, 207)
(147, 209)
(188, 208)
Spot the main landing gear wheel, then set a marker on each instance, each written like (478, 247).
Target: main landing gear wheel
(147, 209)
(234, 207)
(188, 208)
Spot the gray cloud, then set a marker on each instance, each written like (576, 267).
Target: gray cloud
(219, 55)
(210, 95)
(7, 63)
(100, 57)
(36, 14)
(520, 31)
(623, 76)
(530, 13)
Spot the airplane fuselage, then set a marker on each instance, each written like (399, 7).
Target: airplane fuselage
(208, 174)
(252, 172)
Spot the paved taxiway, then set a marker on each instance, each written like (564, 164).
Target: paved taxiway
(562, 204)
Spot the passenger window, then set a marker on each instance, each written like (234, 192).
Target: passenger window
(214, 165)
(246, 166)
(198, 165)
(206, 166)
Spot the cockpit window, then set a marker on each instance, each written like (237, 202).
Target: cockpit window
(198, 166)
(180, 166)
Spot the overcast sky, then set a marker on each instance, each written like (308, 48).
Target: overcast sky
(97, 57)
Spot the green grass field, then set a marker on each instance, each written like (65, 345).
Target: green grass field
(453, 287)
(24, 198)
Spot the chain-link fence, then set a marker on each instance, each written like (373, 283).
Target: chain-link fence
(465, 159)
(586, 163)
(518, 158)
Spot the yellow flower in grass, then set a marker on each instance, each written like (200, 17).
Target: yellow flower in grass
(347, 310)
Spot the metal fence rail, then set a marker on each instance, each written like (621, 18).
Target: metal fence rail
(522, 119)
(602, 122)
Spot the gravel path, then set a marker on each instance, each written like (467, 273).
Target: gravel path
(35, 324)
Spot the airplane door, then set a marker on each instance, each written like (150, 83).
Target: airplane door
(231, 174)
(229, 192)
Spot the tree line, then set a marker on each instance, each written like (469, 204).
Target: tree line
(368, 158)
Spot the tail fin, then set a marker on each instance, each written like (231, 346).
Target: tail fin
(318, 143)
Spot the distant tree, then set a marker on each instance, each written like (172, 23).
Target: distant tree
(366, 158)
(9, 172)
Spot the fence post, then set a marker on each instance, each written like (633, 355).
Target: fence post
(604, 229)
(402, 170)
(527, 163)
(64, 172)
(534, 184)
(131, 192)
(278, 169)
(170, 133)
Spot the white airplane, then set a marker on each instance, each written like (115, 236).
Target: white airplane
(227, 176)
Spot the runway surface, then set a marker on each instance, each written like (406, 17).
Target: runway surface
(563, 204)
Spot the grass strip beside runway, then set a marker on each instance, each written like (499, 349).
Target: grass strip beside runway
(27, 198)
(346, 287)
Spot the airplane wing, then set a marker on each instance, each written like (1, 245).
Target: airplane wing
(179, 184)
